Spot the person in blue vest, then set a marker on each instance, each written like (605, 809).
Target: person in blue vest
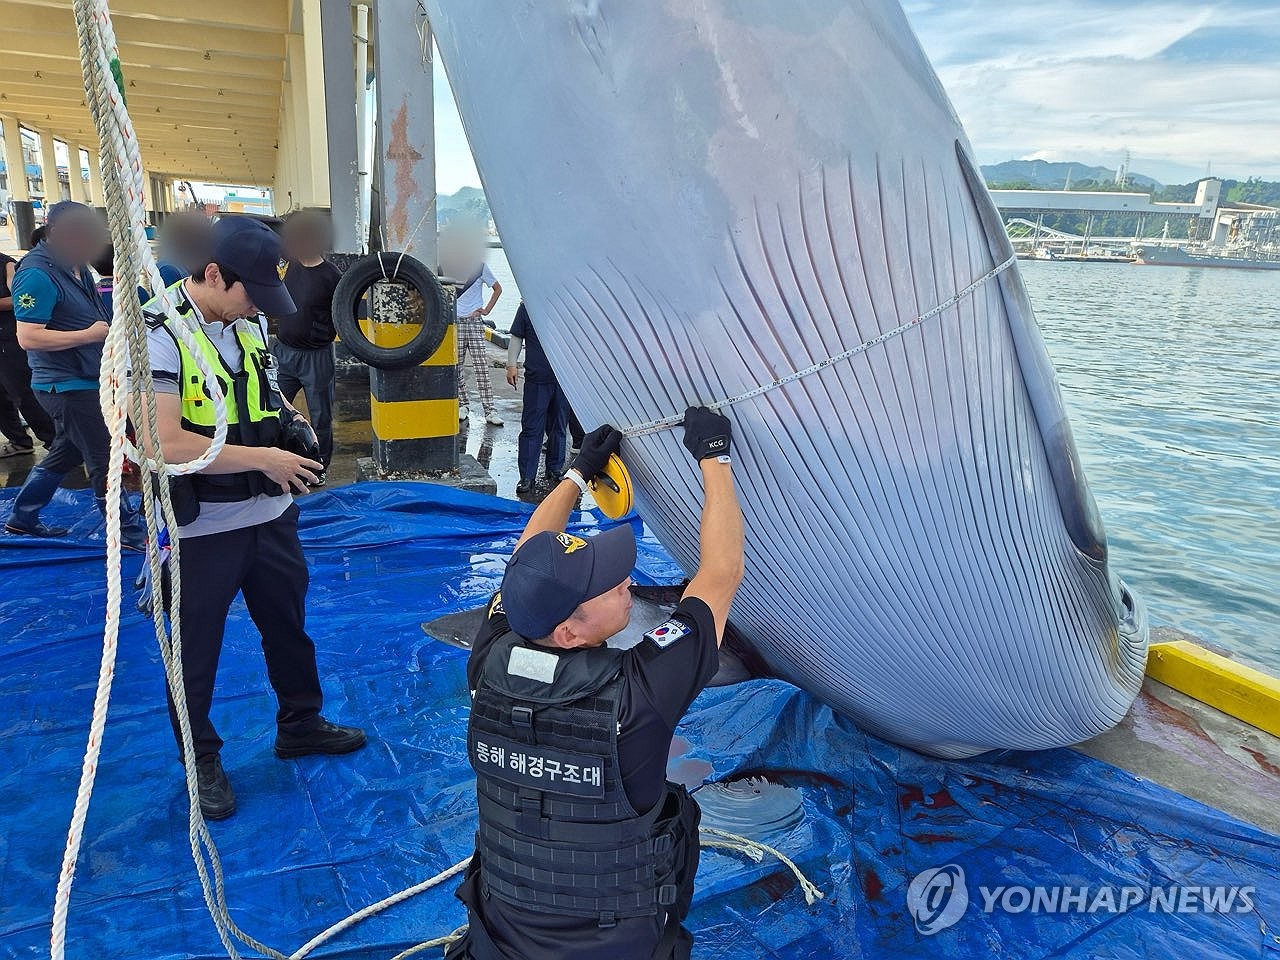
(62, 323)
(237, 520)
(584, 849)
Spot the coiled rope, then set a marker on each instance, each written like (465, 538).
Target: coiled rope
(666, 423)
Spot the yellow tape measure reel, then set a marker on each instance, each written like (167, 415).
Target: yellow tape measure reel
(612, 489)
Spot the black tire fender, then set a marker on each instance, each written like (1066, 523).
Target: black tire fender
(363, 274)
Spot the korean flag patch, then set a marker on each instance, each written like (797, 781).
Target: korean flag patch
(667, 634)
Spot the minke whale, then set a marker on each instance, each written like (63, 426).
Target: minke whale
(700, 198)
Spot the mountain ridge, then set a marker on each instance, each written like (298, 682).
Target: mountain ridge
(1048, 175)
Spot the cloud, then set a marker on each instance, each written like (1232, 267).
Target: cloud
(1178, 83)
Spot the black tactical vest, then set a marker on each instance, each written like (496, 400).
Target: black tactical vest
(557, 832)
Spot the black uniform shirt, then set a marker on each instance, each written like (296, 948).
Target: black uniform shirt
(537, 368)
(311, 288)
(663, 676)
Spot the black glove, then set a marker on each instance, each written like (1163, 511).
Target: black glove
(706, 433)
(597, 447)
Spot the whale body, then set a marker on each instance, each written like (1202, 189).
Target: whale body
(699, 198)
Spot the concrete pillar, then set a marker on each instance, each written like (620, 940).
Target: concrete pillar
(316, 188)
(15, 168)
(75, 174)
(340, 98)
(97, 195)
(148, 197)
(286, 156)
(49, 170)
(414, 412)
(406, 131)
(22, 221)
(295, 105)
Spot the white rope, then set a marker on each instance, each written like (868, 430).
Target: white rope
(122, 181)
(378, 907)
(666, 423)
(709, 837)
(413, 234)
(756, 850)
(428, 944)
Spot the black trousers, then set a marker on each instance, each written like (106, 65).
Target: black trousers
(575, 428)
(312, 372)
(543, 412)
(265, 563)
(15, 384)
(82, 437)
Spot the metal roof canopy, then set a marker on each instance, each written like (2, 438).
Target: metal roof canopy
(204, 93)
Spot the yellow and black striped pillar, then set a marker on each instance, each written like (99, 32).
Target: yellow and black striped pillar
(414, 412)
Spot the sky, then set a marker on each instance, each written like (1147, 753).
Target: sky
(1185, 87)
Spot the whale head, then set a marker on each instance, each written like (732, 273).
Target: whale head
(775, 204)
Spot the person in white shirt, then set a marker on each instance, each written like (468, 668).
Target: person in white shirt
(472, 309)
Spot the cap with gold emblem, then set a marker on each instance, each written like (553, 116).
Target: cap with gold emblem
(552, 574)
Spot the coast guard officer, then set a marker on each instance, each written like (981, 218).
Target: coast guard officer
(584, 849)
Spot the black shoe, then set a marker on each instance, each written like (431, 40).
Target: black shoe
(524, 488)
(36, 529)
(217, 799)
(324, 737)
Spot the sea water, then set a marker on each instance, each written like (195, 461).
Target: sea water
(1171, 377)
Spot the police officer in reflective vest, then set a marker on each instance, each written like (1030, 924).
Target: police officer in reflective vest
(237, 520)
(584, 849)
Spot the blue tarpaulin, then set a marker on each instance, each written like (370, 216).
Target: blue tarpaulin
(314, 840)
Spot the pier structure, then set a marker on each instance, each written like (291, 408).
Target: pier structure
(327, 104)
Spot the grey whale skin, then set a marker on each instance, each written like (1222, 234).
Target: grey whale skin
(700, 196)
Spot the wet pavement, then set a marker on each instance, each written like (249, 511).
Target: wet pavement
(493, 447)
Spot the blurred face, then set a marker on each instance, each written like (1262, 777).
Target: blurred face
(305, 236)
(78, 237)
(597, 619)
(461, 249)
(186, 240)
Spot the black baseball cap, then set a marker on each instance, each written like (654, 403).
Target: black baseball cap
(552, 574)
(251, 250)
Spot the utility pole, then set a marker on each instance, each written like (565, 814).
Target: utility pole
(1122, 175)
